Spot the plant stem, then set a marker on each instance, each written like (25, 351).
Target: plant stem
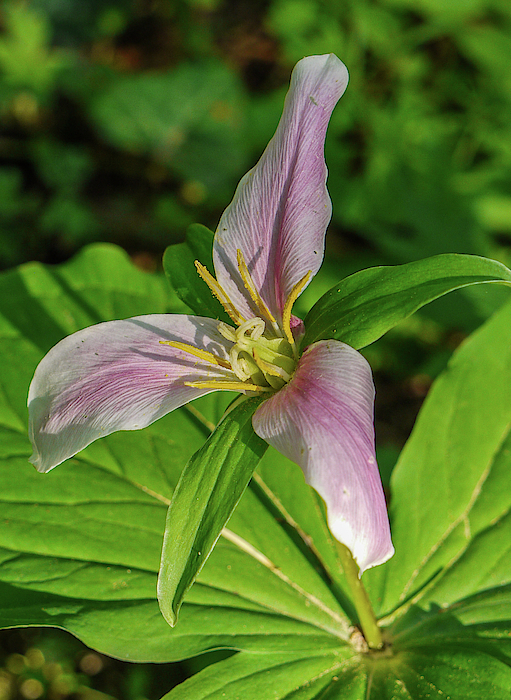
(365, 612)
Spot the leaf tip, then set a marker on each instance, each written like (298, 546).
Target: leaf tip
(169, 612)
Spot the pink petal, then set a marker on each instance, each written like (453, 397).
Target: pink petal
(281, 208)
(116, 376)
(323, 421)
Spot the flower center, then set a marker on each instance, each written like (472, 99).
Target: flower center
(260, 364)
(265, 362)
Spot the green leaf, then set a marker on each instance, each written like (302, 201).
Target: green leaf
(450, 651)
(44, 303)
(91, 531)
(178, 264)
(431, 654)
(493, 605)
(276, 676)
(80, 546)
(481, 622)
(207, 493)
(135, 630)
(451, 501)
(364, 306)
(438, 672)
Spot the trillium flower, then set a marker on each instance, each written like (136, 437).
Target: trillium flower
(124, 375)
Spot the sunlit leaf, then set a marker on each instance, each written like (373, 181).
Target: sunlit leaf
(207, 493)
(364, 306)
(450, 497)
(80, 547)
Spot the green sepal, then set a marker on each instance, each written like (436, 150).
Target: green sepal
(179, 267)
(208, 491)
(364, 306)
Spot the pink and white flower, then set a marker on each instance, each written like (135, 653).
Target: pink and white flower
(124, 375)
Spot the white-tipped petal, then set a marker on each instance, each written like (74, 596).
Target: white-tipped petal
(117, 376)
(281, 208)
(323, 420)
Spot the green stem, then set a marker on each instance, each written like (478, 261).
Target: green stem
(365, 612)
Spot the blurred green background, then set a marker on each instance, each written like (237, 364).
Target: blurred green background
(127, 120)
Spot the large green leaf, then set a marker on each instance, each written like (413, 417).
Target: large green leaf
(135, 630)
(480, 622)
(44, 303)
(91, 529)
(80, 546)
(451, 500)
(462, 651)
(421, 673)
(206, 495)
(364, 306)
(441, 653)
(275, 676)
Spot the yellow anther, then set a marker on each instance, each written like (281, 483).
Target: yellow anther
(286, 314)
(201, 354)
(227, 386)
(219, 293)
(251, 288)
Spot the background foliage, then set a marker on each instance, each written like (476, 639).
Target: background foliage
(125, 121)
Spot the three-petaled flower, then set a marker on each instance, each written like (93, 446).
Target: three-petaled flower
(123, 375)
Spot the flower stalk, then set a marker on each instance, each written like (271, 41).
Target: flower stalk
(366, 617)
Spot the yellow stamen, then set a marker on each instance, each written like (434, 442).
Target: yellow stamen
(219, 293)
(201, 354)
(251, 288)
(227, 386)
(286, 314)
